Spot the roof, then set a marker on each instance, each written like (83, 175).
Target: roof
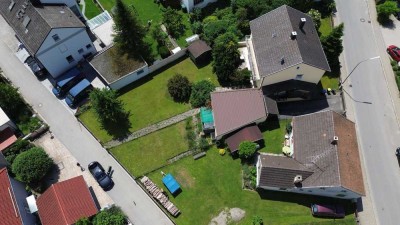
(42, 19)
(206, 115)
(170, 182)
(198, 48)
(280, 171)
(3, 117)
(9, 212)
(3, 161)
(271, 38)
(234, 109)
(103, 27)
(112, 66)
(7, 138)
(251, 133)
(66, 202)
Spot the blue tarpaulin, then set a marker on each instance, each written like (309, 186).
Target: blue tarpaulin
(170, 182)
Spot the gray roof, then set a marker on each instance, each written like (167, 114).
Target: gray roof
(271, 37)
(330, 164)
(3, 161)
(43, 18)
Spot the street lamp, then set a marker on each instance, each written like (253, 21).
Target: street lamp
(341, 83)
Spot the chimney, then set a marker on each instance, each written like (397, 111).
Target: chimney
(302, 22)
(293, 35)
(335, 140)
(298, 179)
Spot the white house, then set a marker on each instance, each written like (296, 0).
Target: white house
(53, 34)
(72, 4)
(325, 159)
(284, 46)
(191, 4)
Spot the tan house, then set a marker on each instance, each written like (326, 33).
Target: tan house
(325, 160)
(284, 46)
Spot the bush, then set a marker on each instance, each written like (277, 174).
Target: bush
(19, 146)
(386, 9)
(179, 88)
(257, 220)
(32, 165)
(112, 216)
(83, 221)
(163, 51)
(200, 95)
(393, 63)
(395, 68)
(398, 73)
(398, 82)
(247, 149)
(222, 151)
(203, 144)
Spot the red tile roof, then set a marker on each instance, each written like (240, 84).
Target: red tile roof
(7, 138)
(250, 133)
(66, 202)
(234, 109)
(9, 213)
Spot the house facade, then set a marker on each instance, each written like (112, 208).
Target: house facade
(283, 46)
(191, 4)
(51, 33)
(325, 159)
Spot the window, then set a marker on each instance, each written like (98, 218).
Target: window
(56, 37)
(299, 76)
(70, 59)
(140, 72)
(88, 46)
(343, 191)
(198, 1)
(11, 6)
(80, 51)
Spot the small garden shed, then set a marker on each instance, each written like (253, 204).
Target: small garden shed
(199, 52)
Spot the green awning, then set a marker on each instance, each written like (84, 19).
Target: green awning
(206, 115)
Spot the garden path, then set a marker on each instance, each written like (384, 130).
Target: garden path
(152, 128)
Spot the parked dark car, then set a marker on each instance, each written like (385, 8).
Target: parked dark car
(39, 72)
(394, 52)
(331, 211)
(100, 175)
(66, 81)
(78, 93)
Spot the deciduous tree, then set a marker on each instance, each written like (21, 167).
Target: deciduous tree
(179, 88)
(386, 9)
(247, 149)
(173, 21)
(112, 216)
(333, 47)
(107, 105)
(200, 95)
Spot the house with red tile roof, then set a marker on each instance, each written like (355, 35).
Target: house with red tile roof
(12, 202)
(66, 202)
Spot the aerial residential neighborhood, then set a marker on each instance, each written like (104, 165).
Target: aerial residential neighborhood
(191, 112)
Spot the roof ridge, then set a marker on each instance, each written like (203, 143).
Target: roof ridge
(58, 201)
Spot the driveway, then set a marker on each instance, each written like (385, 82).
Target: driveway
(82, 145)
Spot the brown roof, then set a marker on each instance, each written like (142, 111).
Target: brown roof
(197, 48)
(280, 171)
(349, 158)
(250, 133)
(9, 212)
(66, 202)
(234, 109)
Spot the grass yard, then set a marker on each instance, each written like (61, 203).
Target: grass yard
(91, 9)
(214, 182)
(326, 26)
(330, 80)
(152, 151)
(148, 99)
(273, 131)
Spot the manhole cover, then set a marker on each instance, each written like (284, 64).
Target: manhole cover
(362, 20)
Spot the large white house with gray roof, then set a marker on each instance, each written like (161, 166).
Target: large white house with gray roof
(52, 33)
(284, 46)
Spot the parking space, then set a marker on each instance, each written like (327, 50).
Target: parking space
(67, 168)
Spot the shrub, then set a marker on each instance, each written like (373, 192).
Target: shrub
(386, 9)
(222, 151)
(393, 63)
(179, 88)
(398, 82)
(203, 144)
(32, 165)
(163, 51)
(398, 73)
(83, 221)
(257, 220)
(247, 149)
(112, 216)
(200, 95)
(19, 146)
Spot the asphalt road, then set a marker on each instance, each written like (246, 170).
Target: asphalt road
(377, 127)
(126, 193)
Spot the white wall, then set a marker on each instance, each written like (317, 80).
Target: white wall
(53, 54)
(129, 78)
(310, 74)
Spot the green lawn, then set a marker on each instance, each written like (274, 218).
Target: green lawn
(274, 135)
(326, 26)
(91, 9)
(152, 151)
(214, 182)
(148, 99)
(330, 80)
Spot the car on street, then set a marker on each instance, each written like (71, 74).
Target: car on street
(100, 175)
(325, 210)
(394, 52)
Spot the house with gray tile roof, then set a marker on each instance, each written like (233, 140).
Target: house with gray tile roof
(325, 159)
(284, 45)
(51, 33)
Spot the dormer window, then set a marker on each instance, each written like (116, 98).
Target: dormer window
(56, 37)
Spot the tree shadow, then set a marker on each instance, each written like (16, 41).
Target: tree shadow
(389, 24)
(118, 129)
(272, 123)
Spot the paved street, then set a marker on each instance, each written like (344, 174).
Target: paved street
(377, 125)
(76, 138)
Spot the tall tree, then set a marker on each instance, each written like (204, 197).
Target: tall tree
(10, 100)
(179, 87)
(107, 106)
(129, 32)
(173, 21)
(200, 95)
(226, 57)
(333, 47)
